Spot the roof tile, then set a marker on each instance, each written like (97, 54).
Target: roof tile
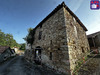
(3, 48)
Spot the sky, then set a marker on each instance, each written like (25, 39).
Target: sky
(16, 16)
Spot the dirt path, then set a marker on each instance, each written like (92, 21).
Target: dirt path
(19, 66)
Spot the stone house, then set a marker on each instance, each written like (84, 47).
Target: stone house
(94, 41)
(20, 52)
(16, 49)
(59, 40)
(6, 52)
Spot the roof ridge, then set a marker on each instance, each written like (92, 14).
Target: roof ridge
(63, 3)
(55, 10)
(93, 34)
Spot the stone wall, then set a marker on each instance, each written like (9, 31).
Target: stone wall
(76, 39)
(64, 38)
(94, 40)
(54, 40)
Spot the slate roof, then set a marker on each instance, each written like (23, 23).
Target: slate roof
(3, 48)
(94, 34)
(55, 10)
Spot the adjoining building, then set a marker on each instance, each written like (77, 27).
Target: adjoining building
(94, 41)
(59, 40)
(6, 52)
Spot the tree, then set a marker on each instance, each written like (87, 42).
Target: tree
(30, 29)
(7, 40)
(2, 38)
(30, 37)
(22, 46)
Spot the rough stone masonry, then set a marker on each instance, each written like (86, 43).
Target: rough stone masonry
(59, 40)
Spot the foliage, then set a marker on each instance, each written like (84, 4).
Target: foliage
(79, 64)
(7, 40)
(30, 37)
(89, 67)
(22, 46)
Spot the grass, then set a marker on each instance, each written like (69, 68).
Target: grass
(89, 66)
(79, 64)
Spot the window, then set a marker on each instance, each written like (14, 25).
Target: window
(82, 49)
(40, 34)
(50, 55)
(51, 42)
(58, 48)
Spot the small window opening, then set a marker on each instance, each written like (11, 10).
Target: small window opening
(40, 34)
(50, 55)
(82, 49)
(58, 48)
(51, 41)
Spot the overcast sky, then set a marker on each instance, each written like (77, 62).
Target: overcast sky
(16, 16)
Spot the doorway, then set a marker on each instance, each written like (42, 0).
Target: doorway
(37, 57)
